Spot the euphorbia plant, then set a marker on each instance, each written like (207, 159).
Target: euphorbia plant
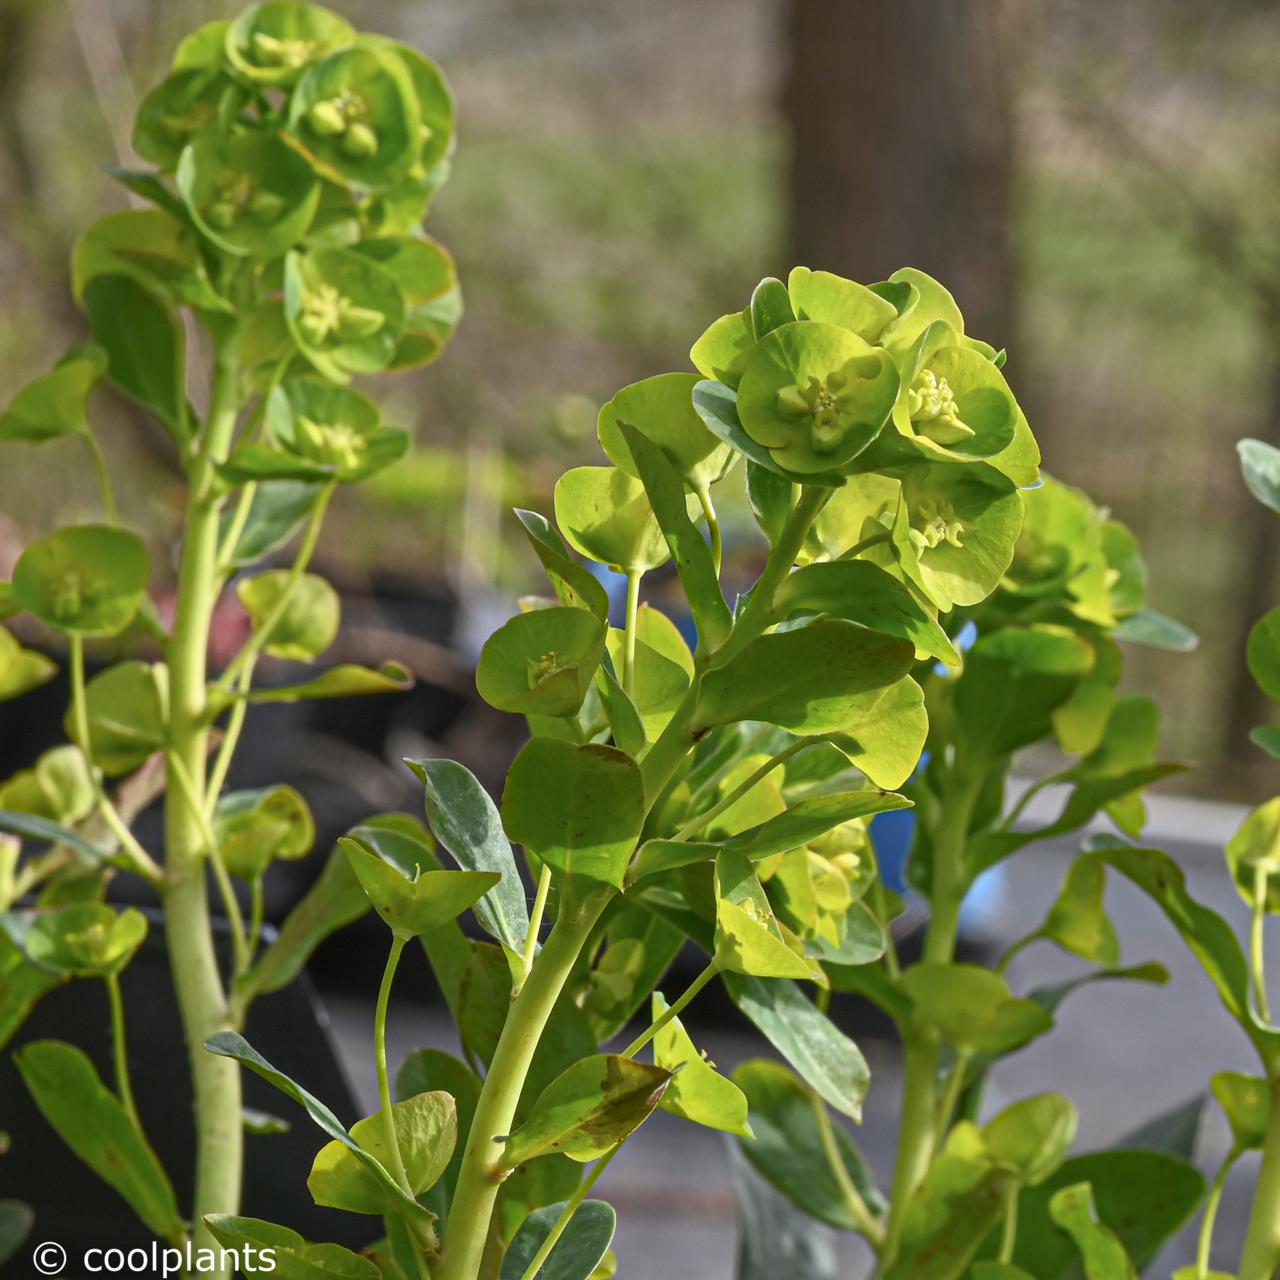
(293, 159)
(717, 792)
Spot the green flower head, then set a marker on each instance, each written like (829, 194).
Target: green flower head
(274, 43)
(815, 395)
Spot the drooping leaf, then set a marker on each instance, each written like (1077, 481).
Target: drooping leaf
(95, 1125)
(788, 1148)
(144, 345)
(1260, 463)
(748, 938)
(21, 670)
(343, 681)
(825, 1058)
(229, 1044)
(1156, 631)
(575, 585)
(54, 405)
(294, 1258)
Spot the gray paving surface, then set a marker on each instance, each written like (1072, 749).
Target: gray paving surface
(1123, 1051)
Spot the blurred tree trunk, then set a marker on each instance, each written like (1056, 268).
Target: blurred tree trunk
(901, 137)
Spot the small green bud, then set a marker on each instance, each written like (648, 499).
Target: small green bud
(326, 118)
(358, 322)
(223, 215)
(360, 141)
(266, 206)
(272, 52)
(932, 406)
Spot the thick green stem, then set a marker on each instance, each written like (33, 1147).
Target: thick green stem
(380, 1051)
(192, 955)
(674, 1011)
(1261, 1254)
(120, 1049)
(920, 1119)
(916, 1135)
(482, 1169)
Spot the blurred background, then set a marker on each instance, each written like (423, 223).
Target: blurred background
(1098, 184)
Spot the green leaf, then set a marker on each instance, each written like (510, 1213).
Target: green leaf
(770, 307)
(661, 410)
(1260, 463)
(85, 940)
(748, 937)
(54, 405)
(343, 681)
(859, 591)
(541, 662)
(692, 556)
(1104, 1257)
(57, 788)
(1142, 1196)
(425, 1070)
(22, 986)
(722, 350)
(86, 580)
(1078, 921)
(253, 829)
(95, 1125)
(972, 1007)
(697, 1092)
(830, 299)
(770, 497)
(588, 1109)
(417, 905)
(579, 809)
(788, 1148)
(1263, 654)
(16, 1221)
(34, 827)
(276, 510)
(814, 679)
(1268, 738)
(1211, 939)
(606, 516)
(229, 1044)
(293, 1257)
(826, 1059)
(21, 670)
(1147, 627)
(949, 1216)
(885, 741)
(1013, 681)
(466, 821)
(1253, 856)
(1033, 1135)
(1174, 1131)
(577, 1253)
(309, 623)
(804, 821)
(127, 712)
(1247, 1103)
(574, 585)
(144, 345)
(426, 1132)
